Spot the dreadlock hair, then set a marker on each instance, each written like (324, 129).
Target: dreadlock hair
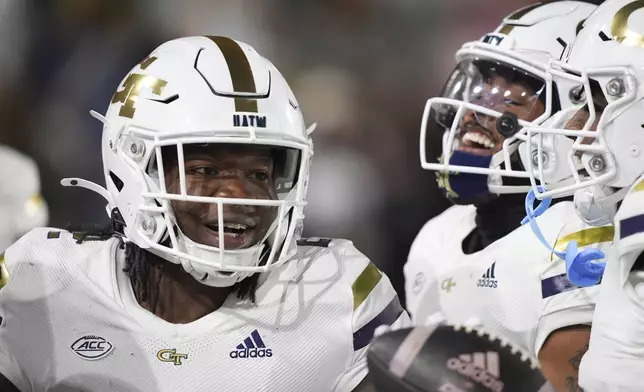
(138, 266)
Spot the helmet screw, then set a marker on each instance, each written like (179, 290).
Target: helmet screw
(136, 148)
(576, 94)
(148, 225)
(597, 163)
(615, 87)
(535, 158)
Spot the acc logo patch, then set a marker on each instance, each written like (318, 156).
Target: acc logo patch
(92, 347)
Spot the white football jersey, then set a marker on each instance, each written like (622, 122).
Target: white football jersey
(21, 206)
(70, 321)
(514, 288)
(615, 358)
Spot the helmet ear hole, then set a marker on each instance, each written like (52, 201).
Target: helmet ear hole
(118, 183)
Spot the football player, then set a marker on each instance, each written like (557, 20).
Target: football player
(475, 263)
(202, 280)
(607, 59)
(21, 206)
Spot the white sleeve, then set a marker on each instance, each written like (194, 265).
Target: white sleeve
(375, 303)
(422, 294)
(563, 304)
(8, 365)
(11, 371)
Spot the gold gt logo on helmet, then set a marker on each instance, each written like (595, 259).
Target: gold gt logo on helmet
(132, 87)
(619, 25)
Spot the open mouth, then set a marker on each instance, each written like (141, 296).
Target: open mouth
(236, 235)
(229, 228)
(478, 143)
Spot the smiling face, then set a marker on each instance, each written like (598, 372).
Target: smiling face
(478, 132)
(488, 85)
(224, 171)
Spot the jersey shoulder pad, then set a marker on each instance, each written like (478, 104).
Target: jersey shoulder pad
(374, 302)
(586, 236)
(551, 222)
(324, 256)
(629, 220)
(45, 255)
(454, 217)
(358, 285)
(554, 219)
(634, 199)
(454, 223)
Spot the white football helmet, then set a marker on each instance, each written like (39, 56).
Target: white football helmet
(193, 92)
(500, 81)
(21, 206)
(607, 59)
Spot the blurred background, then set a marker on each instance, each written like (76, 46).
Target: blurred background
(361, 69)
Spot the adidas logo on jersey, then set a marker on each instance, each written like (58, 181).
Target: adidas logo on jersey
(480, 367)
(252, 347)
(488, 279)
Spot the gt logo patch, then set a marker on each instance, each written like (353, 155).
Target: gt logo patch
(171, 355)
(448, 284)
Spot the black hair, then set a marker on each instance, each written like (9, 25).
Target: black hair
(138, 267)
(137, 263)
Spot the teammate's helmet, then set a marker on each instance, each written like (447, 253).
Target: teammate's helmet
(607, 152)
(498, 87)
(193, 92)
(21, 206)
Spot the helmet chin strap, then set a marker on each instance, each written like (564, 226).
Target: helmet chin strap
(581, 267)
(466, 188)
(211, 276)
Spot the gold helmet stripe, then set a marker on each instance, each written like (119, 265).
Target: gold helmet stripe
(520, 13)
(240, 72)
